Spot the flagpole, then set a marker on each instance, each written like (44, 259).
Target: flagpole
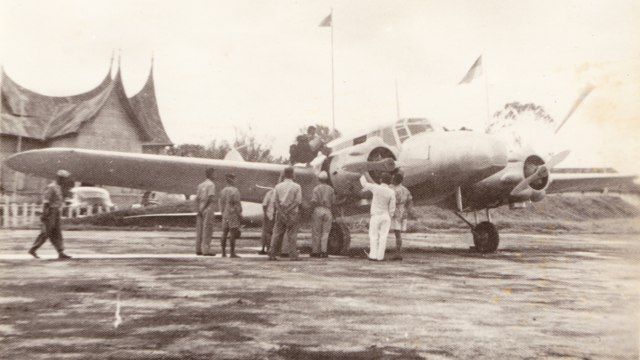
(333, 99)
(486, 91)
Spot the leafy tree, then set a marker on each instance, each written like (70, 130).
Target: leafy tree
(521, 124)
(188, 150)
(325, 132)
(245, 142)
(251, 149)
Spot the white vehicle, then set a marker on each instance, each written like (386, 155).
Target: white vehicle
(85, 197)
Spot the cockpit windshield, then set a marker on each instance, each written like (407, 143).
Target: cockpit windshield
(405, 128)
(392, 135)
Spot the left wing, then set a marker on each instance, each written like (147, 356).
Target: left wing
(568, 182)
(171, 174)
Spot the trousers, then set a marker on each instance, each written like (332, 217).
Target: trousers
(320, 228)
(234, 234)
(204, 230)
(50, 230)
(284, 231)
(378, 232)
(267, 231)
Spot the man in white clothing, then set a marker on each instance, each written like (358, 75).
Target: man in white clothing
(383, 205)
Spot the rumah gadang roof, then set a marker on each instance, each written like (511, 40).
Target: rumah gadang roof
(29, 114)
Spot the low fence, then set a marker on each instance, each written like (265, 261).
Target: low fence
(19, 215)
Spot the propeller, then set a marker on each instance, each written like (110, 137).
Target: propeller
(540, 172)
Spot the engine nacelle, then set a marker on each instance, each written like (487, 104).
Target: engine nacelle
(346, 166)
(498, 189)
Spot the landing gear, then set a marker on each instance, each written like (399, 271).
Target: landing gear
(485, 235)
(339, 239)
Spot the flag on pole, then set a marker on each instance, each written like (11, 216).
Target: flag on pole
(326, 22)
(474, 72)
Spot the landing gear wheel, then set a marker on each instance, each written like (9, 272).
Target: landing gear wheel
(485, 237)
(339, 239)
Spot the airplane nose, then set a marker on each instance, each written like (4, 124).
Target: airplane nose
(483, 152)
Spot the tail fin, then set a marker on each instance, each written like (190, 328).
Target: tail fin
(234, 155)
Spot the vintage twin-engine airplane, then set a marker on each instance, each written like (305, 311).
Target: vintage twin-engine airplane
(463, 171)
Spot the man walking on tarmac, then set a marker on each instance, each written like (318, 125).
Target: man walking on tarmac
(53, 200)
(323, 199)
(231, 209)
(205, 195)
(383, 206)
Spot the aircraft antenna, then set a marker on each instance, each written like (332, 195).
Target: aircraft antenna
(397, 101)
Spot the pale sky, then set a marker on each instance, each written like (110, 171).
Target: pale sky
(267, 64)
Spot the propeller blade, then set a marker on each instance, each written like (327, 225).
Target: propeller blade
(364, 166)
(524, 184)
(557, 158)
(541, 172)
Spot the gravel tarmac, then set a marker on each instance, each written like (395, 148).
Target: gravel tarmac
(540, 296)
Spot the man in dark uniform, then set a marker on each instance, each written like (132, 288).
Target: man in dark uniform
(53, 200)
(323, 199)
(231, 209)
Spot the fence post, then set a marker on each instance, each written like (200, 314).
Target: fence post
(14, 214)
(5, 212)
(25, 216)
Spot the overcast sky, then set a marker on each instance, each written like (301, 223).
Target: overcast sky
(267, 64)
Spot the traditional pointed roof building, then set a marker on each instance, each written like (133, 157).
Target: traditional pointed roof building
(103, 118)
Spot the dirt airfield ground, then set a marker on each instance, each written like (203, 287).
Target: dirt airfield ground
(541, 296)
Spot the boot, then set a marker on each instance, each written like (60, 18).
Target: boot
(63, 256)
(32, 252)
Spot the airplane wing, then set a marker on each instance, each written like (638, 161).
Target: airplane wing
(568, 182)
(171, 174)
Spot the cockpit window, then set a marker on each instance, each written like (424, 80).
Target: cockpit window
(419, 128)
(387, 137)
(403, 134)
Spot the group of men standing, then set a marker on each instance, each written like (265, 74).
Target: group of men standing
(281, 207)
(231, 209)
(390, 206)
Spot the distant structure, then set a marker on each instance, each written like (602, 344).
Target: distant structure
(103, 118)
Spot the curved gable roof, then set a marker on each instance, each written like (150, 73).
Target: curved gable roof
(145, 105)
(30, 114)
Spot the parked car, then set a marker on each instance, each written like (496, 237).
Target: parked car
(85, 197)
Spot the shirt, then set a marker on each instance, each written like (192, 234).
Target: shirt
(205, 189)
(286, 194)
(403, 195)
(323, 195)
(230, 205)
(403, 199)
(384, 198)
(53, 195)
(267, 204)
